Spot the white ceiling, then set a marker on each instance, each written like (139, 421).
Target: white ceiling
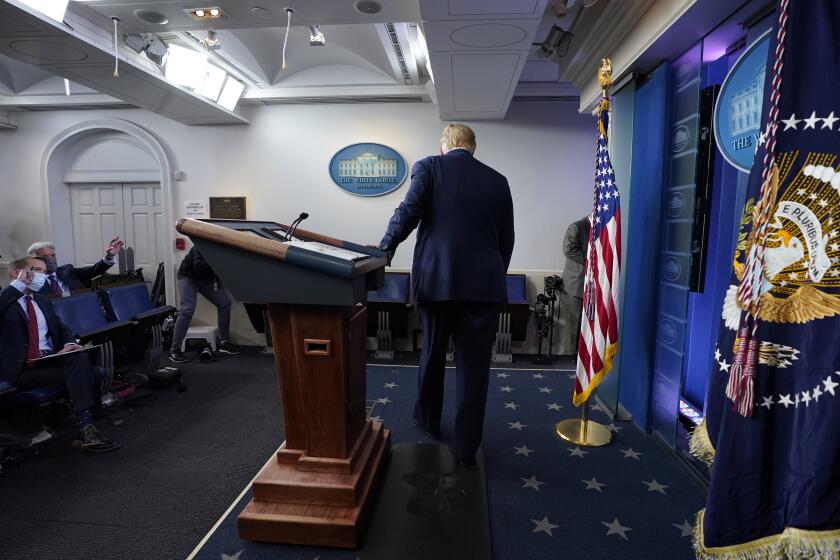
(481, 53)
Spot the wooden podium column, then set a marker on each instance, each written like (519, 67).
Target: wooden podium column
(317, 489)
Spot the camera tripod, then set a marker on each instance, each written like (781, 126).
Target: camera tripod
(544, 314)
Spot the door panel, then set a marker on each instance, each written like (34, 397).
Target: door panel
(97, 217)
(143, 222)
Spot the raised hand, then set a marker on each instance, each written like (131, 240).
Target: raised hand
(113, 247)
(26, 276)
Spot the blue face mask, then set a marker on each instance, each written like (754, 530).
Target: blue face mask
(51, 262)
(37, 282)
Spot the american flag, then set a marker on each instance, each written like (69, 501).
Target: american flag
(599, 323)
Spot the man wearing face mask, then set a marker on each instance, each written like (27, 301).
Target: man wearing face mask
(31, 330)
(67, 278)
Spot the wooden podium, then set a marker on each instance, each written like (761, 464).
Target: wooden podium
(318, 488)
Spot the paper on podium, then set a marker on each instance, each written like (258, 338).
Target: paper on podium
(324, 249)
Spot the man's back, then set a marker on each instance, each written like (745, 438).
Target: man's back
(465, 232)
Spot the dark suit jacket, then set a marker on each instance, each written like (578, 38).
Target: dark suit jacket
(574, 247)
(14, 332)
(77, 278)
(465, 232)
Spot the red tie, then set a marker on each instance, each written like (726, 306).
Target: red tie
(33, 352)
(54, 285)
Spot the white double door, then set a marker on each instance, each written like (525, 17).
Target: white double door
(133, 211)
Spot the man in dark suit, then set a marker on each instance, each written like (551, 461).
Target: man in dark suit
(574, 274)
(31, 330)
(463, 213)
(67, 278)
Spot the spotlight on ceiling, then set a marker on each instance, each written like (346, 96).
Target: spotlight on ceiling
(367, 7)
(316, 36)
(212, 41)
(556, 44)
(155, 48)
(203, 14)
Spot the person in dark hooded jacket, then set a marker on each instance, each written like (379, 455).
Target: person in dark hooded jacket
(195, 276)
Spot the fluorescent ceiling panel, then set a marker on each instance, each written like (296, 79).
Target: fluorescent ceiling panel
(54, 9)
(186, 67)
(214, 79)
(230, 93)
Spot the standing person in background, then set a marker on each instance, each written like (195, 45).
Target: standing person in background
(195, 276)
(463, 213)
(574, 273)
(67, 278)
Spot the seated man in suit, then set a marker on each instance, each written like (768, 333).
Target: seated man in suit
(463, 213)
(67, 278)
(29, 330)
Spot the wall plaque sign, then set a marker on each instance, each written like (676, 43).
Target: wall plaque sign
(227, 207)
(368, 169)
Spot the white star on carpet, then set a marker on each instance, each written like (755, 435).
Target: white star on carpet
(812, 122)
(390, 385)
(816, 393)
(686, 529)
(654, 486)
(516, 425)
(506, 389)
(630, 454)
(537, 375)
(232, 556)
(829, 121)
(385, 400)
(554, 406)
(544, 525)
(577, 452)
(545, 390)
(616, 528)
(791, 122)
(723, 365)
(806, 397)
(503, 375)
(532, 483)
(511, 405)
(768, 402)
(829, 385)
(523, 450)
(572, 376)
(593, 484)
(613, 428)
(785, 400)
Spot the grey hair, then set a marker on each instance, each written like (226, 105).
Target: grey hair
(35, 247)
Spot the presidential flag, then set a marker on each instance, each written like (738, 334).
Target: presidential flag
(773, 406)
(599, 324)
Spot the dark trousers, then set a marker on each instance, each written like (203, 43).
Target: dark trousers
(473, 326)
(75, 371)
(189, 289)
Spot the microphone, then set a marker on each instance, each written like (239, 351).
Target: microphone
(295, 224)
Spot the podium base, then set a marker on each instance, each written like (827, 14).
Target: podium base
(573, 431)
(316, 508)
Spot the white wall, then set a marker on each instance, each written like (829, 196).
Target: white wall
(279, 162)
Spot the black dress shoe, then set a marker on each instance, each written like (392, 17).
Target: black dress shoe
(433, 433)
(463, 461)
(91, 440)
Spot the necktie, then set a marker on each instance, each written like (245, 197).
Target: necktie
(54, 285)
(33, 351)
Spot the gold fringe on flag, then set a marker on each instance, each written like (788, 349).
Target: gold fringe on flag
(700, 445)
(790, 544)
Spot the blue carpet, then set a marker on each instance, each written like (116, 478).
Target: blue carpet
(630, 499)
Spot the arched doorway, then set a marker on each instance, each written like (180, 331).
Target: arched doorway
(68, 158)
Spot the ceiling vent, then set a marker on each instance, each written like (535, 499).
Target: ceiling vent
(398, 53)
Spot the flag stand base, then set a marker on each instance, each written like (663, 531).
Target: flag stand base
(583, 431)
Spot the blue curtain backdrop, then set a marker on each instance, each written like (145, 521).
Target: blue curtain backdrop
(636, 346)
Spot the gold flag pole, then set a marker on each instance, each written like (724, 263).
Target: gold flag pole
(584, 431)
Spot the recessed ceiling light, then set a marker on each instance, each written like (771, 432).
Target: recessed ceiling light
(150, 16)
(259, 10)
(206, 13)
(367, 7)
